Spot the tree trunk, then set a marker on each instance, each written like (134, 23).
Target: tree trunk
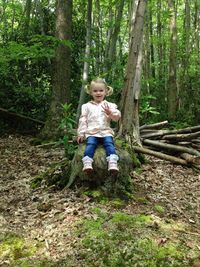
(108, 36)
(86, 62)
(184, 75)
(160, 45)
(41, 17)
(62, 68)
(4, 19)
(13, 21)
(172, 85)
(26, 23)
(113, 39)
(153, 70)
(146, 59)
(129, 127)
(97, 25)
(197, 27)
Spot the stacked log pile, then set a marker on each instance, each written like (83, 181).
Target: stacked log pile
(180, 146)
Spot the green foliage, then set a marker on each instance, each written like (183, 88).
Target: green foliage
(159, 209)
(68, 124)
(23, 71)
(26, 61)
(94, 194)
(147, 111)
(14, 247)
(121, 239)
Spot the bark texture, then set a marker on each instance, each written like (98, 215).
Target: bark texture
(113, 185)
(129, 127)
(87, 57)
(172, 84)
(62, 69)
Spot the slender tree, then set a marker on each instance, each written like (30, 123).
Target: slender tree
(172, 83)
(4, 22)
(129, 127)
(197, 26)
(160, 43)
(111, 56)
(153, 70)
(62, 68)
(87, 56)
(97, 26)
(185, 56)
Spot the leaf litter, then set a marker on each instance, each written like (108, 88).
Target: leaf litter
(49, 217)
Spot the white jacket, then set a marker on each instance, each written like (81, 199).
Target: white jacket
(94, 121)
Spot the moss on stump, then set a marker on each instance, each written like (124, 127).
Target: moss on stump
(68, 173)
(117, 185)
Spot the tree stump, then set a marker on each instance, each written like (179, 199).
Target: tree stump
(113, 185)
(69, 173)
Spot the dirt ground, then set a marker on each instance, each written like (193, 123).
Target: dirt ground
(48, 216)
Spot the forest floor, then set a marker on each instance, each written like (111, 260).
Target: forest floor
(159, 226)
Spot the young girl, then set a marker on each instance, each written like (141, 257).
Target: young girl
(94, 125)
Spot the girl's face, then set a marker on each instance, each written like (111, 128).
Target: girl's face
(98, 92)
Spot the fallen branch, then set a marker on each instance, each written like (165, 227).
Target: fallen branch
(197, 147)
(160, 155)
(155, 125)
(148, 131)
(171, 147)
(196, 141)
(180, 131)
(183, 143)
(191, 159)
(181, 137)
(13, 114)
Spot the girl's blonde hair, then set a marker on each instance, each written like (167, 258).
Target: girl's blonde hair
(109, 89)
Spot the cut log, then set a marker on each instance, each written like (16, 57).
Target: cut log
(171, 147)
(158, 125)
(181, 137)
(196, 146)
(196, 141)
(160, 155)
(187, 130)
(184, 143)
(169, 132)
(191, 159)
(147, 131)
(156, 135)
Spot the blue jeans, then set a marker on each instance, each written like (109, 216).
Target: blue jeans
(93, 142)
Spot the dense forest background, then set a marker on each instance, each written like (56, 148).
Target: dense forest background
(149, 214)
(170, 87)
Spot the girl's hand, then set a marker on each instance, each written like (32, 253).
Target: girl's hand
(106, 109)
(80, 139)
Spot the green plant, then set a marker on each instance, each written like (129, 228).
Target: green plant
(160, 209)
(122, 239)
(14, 247)
(68, 124)
(146, 107)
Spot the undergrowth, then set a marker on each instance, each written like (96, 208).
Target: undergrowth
(106, 238)
(120, 239)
